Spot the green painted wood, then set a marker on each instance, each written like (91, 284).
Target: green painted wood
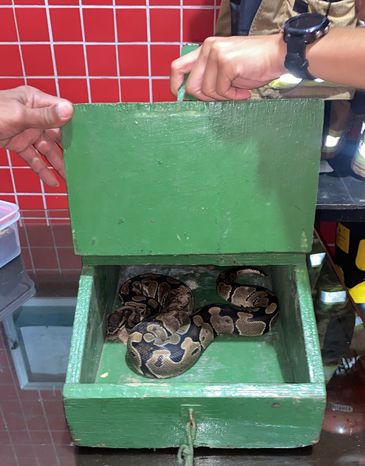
(216, 365)
(235, 404)
(96, 294)
(291, 284)
(195, 259)
(181, 96)
(265, 417)
(193, 178)
(80, 325)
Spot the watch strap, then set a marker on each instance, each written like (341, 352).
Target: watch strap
(295, 61)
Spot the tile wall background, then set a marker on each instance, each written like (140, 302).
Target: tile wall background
(91, 51)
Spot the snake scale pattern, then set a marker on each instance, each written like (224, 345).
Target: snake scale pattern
(165, 337)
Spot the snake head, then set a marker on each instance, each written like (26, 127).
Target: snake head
(126, 317)
(115, 322)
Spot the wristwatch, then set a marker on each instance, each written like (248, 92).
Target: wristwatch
(300, 31)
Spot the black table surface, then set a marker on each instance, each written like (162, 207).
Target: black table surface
(341, 194)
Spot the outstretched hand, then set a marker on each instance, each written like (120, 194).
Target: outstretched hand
(30, 122)
(226, 68)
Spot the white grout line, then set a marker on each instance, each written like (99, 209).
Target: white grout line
(84, 50)
(15, 383)
(28, 244)
(45, 415)
(19, 42)
(19, 193)
(51, 43)
(84, 77)
(25, 82)
(63, 272)
(55, 248)
(44, 202)
(10, 167)
(181, 43)
(116, 51)
(79, 42)
(54, 64)
(52, 247)
(148, 20)
(25, 218)
(2, 418)
(117, 7)
(39, 219)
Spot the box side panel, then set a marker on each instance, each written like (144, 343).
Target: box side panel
(292, 339)
(105, 280)
(304, 302)
(256, 421)
(298, 325)
(96, 292)
(80, 325)
(193, 177)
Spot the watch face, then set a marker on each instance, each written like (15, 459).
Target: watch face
(306, 22)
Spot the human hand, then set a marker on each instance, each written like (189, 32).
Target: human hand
(226, 68)
(30, 122)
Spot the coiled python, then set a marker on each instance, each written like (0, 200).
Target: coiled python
(166, 338)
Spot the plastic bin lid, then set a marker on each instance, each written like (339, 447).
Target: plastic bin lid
(9, 213)
(15, 287)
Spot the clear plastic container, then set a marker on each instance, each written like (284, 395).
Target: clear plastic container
(15, 287)
(9, 235)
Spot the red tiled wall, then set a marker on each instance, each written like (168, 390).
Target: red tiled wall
(47, 245)
(90, 51)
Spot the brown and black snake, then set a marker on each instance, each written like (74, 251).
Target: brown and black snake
(165, 336)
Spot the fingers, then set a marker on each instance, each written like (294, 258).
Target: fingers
(40, 110)
(228, 91)
(52, 116)
(209, 82)
(52, 152)
(180, 67)
(34, 130)
(35, 98)
(54, 135)
(198, 71)
(214, 72)
(37, 164)
(32, 144)
(24, 139)
(211, 75)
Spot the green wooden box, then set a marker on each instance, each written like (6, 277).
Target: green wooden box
(193, 178)
(195, 183)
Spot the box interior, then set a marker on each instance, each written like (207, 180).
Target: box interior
(279, 357)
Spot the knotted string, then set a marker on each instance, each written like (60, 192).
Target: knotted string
(186, 451)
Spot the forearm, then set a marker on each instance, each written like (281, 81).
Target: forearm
(339, 57)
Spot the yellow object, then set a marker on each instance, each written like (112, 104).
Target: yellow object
(343, 238)
(286, 81)
(360, 256)
(357, 293)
